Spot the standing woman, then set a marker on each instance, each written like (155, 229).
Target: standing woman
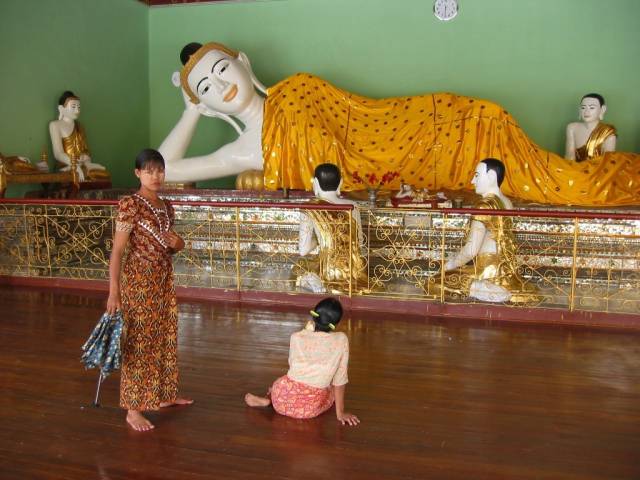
(146, 295)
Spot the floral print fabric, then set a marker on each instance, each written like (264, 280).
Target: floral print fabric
(297, 400)
(319, 359)
(149, 349)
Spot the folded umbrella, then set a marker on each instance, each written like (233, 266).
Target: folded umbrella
(102, 349)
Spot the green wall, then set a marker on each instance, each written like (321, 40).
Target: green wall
(535, 57)
(98, 49)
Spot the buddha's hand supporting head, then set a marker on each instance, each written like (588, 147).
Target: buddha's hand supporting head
(216, 79)
(188, 104)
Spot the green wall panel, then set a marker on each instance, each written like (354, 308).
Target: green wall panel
(535, 57)
(98, 49)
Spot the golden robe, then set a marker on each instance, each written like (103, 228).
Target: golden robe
(432, 141)
(593, 146)
(76, 143)
(340, 260)
(499, 268)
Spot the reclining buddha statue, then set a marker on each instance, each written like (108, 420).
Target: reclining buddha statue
(433, 140)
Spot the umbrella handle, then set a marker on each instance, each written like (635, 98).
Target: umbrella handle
(100, 380)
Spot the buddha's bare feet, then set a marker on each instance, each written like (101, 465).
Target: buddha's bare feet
(177, 401)
(138, 422)
(255, 401)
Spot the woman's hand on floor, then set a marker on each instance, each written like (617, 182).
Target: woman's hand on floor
(348, 419)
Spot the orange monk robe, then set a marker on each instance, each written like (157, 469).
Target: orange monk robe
(594, 145)
(76, 143)
(432, 141)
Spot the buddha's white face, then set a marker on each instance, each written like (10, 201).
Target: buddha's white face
(71, 109)
(222, 83)
(483, 181)
(591, 110)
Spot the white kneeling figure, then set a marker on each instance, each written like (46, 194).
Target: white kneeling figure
(312, 233)
(480, 240)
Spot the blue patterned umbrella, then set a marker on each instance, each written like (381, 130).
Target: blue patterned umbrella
(102, 349)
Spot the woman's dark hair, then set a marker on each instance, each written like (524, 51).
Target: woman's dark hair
(66, 96)
(329, 312)
(597, 96)
(188, 50)
(497, 166)
(328, 176)
(147, 157)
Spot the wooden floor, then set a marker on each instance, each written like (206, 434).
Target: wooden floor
(455, 400)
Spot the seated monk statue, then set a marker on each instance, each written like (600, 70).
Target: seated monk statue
(68, 139)
(433, 139)
(330, 230)
(594, 137)
(485, 268)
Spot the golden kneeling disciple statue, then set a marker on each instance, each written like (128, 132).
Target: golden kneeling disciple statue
(486, 267)
(338, 236)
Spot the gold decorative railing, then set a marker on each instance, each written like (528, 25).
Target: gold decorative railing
(576, 261)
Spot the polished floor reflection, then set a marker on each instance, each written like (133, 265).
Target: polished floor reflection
(437, 400)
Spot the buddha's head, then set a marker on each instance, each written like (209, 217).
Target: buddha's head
(592, 108)
(489, 176)
(326, 178)
(69, 106)
(217, 77)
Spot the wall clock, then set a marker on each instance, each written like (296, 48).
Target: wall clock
(445, 10)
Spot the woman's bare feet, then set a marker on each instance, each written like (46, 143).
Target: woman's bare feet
(255, 401)
(138, 422)
(177, 401)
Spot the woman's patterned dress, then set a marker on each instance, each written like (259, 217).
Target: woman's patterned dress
(149, 349)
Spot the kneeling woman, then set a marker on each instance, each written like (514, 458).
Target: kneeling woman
(317, 376)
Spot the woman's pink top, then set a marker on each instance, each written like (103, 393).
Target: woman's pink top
(319, 359)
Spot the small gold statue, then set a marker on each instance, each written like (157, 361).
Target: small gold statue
(43, 164)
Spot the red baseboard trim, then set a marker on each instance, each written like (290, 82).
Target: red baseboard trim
(407, 308)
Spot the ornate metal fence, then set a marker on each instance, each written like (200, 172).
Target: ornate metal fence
(575, 261)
